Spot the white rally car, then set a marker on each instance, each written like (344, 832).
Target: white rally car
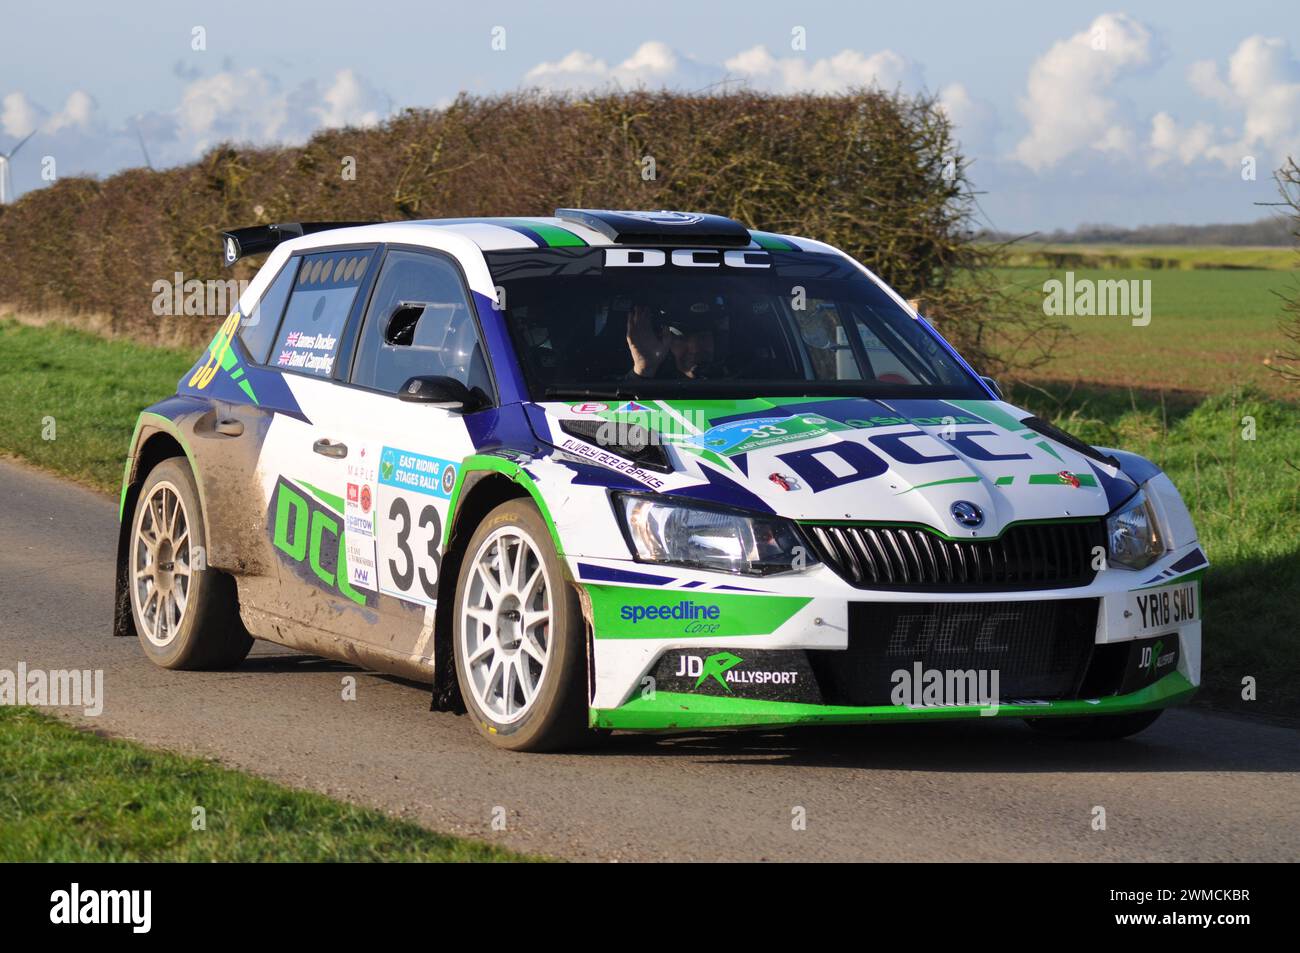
(641, 470)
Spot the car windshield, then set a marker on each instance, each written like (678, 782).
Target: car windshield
(611, 322)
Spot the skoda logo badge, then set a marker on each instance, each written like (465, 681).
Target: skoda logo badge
(967, 514)
(666, 218)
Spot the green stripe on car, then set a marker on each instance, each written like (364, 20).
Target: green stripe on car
(665, 710)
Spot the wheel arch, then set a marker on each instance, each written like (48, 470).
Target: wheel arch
(156, 439)
(483, 483)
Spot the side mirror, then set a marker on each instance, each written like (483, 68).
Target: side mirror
(446, 393)
(993, 386)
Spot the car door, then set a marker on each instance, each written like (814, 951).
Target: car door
(398, 460)
(303, 461)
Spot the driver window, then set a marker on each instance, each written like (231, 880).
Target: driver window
(419, 324)
(828, 347)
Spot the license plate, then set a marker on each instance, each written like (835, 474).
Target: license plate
(1154, 610)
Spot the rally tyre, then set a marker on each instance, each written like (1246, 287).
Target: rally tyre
(186, 614)
(1096, 727)
(520, 643)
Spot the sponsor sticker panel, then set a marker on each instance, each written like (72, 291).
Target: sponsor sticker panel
(413, 500)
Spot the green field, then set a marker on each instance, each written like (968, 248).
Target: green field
(1210, 331)
(1164, 257)
(69, 795)
(92, 388)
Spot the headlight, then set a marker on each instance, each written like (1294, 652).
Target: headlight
(1132, 535)
(707, 538)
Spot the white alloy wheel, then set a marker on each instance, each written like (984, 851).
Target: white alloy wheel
(161, 568)
(506, 624)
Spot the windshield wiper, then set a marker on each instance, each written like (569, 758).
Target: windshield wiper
(566, 393)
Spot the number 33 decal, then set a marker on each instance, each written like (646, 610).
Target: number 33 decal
(409, 541)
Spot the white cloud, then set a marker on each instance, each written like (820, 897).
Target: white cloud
(19, 115)
(248, 106)
(975, 121)
(656, 65)
(846, 69)
(350, 101)
(243, 107)
(1169, 140)
(78, 112)
(1069, 101)
(1261, 90)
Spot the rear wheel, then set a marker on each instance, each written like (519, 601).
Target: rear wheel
(1096, 727)
(519, 635)
(185, 613)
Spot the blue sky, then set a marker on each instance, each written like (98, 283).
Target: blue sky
(1130, 113)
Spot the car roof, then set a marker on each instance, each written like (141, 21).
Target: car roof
(504, 233)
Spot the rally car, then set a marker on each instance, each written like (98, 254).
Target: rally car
(641, 471)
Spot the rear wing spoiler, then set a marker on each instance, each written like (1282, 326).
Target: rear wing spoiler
(241, 242)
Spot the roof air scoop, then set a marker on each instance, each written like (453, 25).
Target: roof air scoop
(660, 228)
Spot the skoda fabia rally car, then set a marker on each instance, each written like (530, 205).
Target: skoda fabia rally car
(641, 471)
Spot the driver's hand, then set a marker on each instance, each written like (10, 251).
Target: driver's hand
(648, 346)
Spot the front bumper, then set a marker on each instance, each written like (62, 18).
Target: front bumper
(667, 711)
(689, 652)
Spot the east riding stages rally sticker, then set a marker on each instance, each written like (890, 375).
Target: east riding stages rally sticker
(414, 496)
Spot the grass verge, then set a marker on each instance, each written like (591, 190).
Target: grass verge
(1243, 490)
(70, 795)
(87, 389)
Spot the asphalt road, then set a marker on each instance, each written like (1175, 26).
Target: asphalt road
(1194, 787)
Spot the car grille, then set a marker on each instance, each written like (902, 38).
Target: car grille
(1040, 649)
(1026, 556)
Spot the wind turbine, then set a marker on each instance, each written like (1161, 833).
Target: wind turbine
(140, 137)
(6, 181)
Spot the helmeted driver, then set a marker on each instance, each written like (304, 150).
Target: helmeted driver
(676, 343)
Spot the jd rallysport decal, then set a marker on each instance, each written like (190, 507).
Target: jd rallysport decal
(776, 674)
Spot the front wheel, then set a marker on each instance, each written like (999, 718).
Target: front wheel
(1096, 727)
(520, 642)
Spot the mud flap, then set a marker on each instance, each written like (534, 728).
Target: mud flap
(123, 623)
